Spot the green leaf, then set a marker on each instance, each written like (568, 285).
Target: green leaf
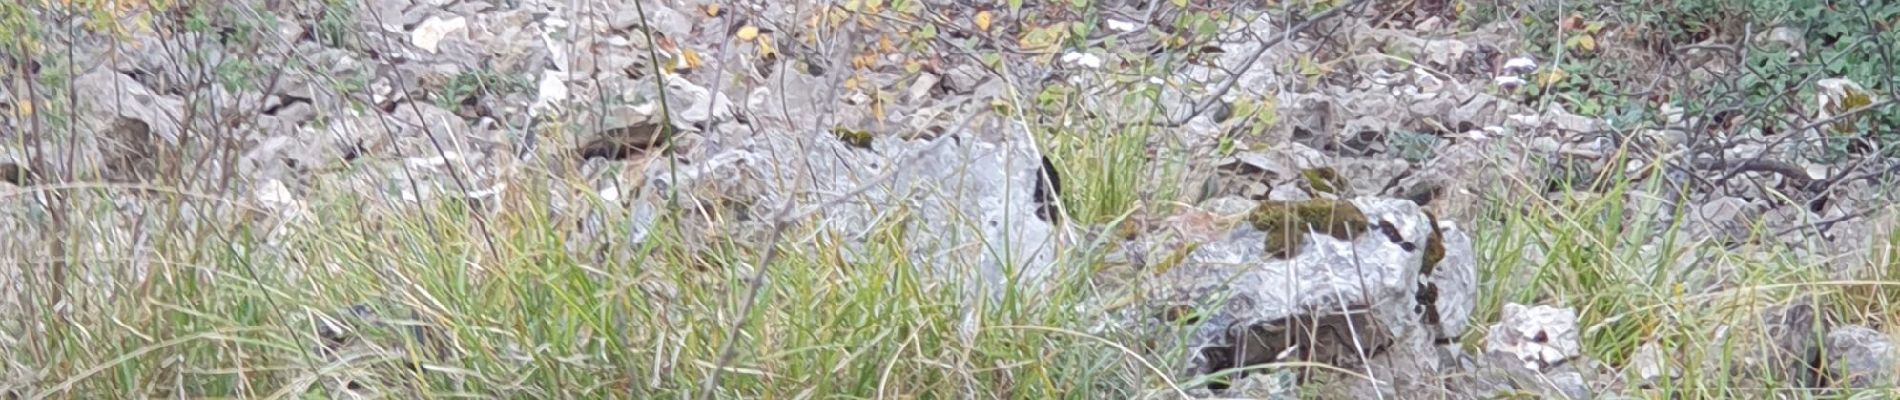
(1581, 42)
(1207, 27)
(929, 32)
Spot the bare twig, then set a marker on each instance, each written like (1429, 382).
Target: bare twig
(1799, 176)
(1796, 177)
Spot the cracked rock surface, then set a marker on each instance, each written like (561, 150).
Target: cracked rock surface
(1369, 299)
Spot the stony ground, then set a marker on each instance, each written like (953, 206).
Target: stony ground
(935, 198)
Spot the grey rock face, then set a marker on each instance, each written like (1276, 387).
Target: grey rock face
(122, 124)
(969, 202)
(1340, 301)
(1859, 357)
(1649, 366)
(1776, 349)
(1536, 350)
(1539, 337)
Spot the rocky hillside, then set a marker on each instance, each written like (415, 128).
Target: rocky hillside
(941, 198)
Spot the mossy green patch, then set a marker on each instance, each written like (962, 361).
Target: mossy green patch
(1324, 180)
(1434, 246)
(855, 138)
(1286, 222)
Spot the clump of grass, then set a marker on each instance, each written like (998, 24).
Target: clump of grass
(530, 318)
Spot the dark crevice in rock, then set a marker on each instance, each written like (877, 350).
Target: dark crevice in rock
(1343, 340)
(1048, 192)
(622, 143)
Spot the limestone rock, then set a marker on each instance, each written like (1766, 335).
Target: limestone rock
(1344, 295)
(955, 187)
(1859, 357)
(1536, 350)
(1538, 337)
(1774, 346)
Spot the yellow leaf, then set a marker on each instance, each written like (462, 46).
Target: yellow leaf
(748, 32)
(1584, 42)
(689, 59)
(1855, 99)
(712, 10)
(766, 48)
(877, 104)
(837, 18)
(983, 21)
(25, 106)
(1551, 78)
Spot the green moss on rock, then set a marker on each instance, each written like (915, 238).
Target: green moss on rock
(1324, 180)
(853, 137)
(1286, 222)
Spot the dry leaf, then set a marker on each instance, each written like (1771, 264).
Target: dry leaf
(25, 106)
(666, 44)
(766, 48)
(712, 10)
(837, 17)
(983, 21)
(689, 60)
(1838, 96)
(748, 32)
(877, 104)
(1551, 78)
(1574, 22)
